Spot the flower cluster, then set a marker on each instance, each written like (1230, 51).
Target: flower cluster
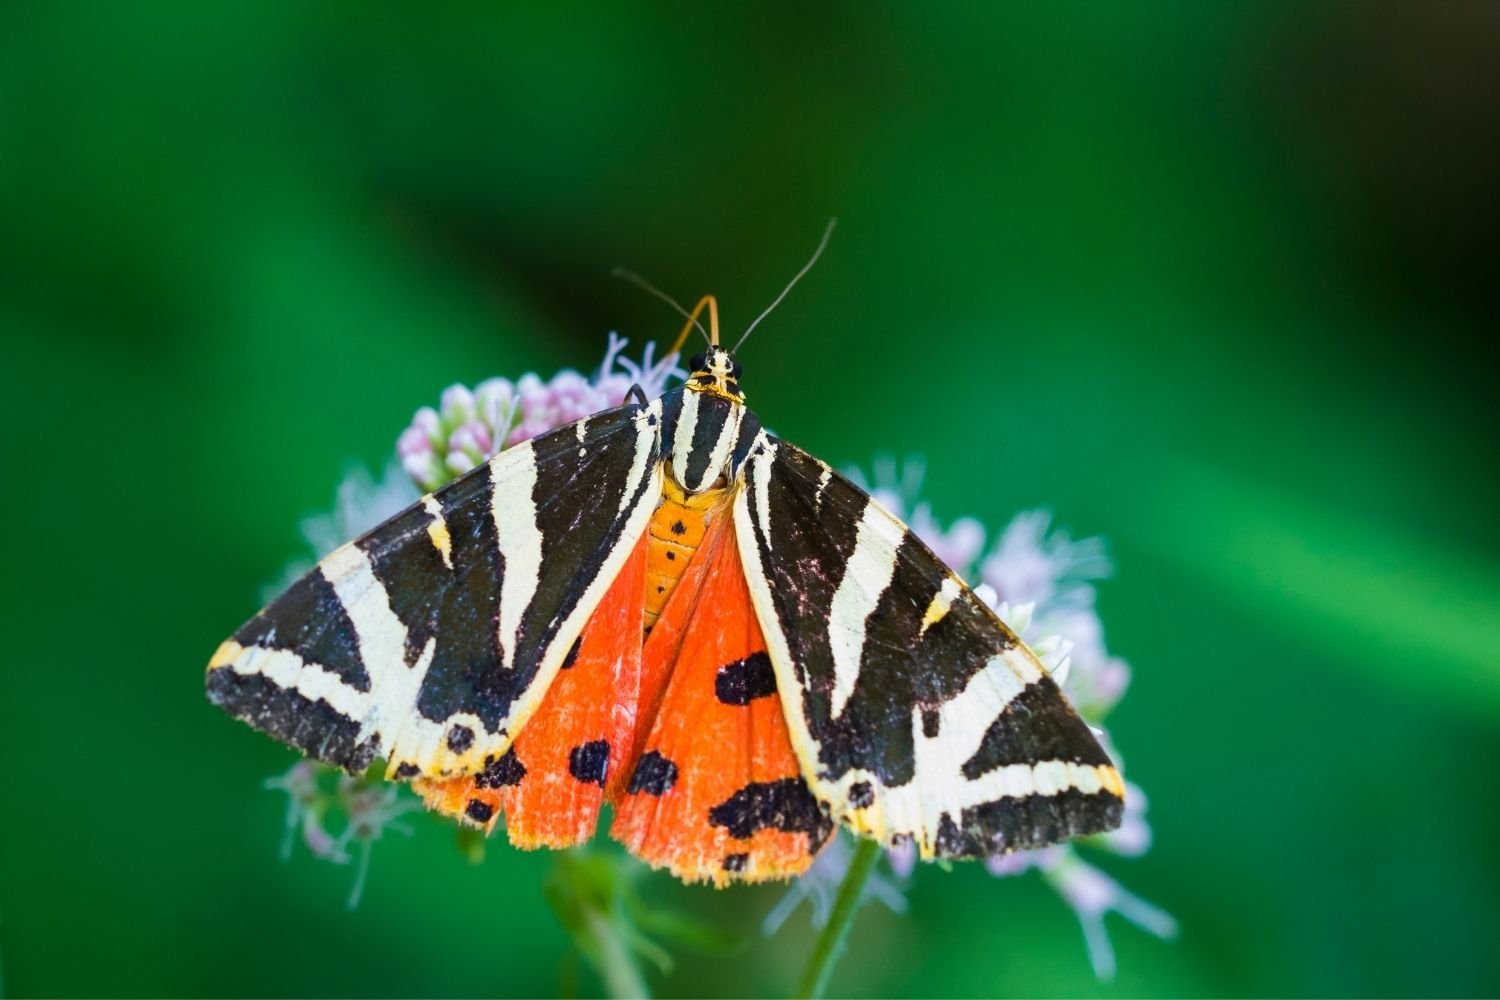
(472, 425)
(1041, 583)
(368, 805)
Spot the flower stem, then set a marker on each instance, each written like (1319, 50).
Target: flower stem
(622, 979)
(830, 942)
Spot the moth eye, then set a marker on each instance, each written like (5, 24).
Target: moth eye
(696, 362)
(734, 371)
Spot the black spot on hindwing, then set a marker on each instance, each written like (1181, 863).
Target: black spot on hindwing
(735, 862)
(589, 763)
(501, 772)
(786, 805)
(479, 811)
(742, 681)
(654, 774)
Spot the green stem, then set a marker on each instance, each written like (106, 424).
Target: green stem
(622, 979)
(831, 942)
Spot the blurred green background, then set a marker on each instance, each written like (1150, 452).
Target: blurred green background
(1214, 281)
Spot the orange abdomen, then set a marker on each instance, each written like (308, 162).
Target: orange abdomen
(675, 532)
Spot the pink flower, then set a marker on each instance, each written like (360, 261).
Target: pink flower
(369, 808)
(472, 426)
(1093, 894)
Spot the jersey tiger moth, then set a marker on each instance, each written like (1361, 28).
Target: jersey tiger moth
(666, 608)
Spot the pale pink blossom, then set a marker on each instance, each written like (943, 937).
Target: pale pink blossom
(471, 426)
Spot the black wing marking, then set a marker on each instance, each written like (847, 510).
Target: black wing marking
(430, 640)
(915, 711)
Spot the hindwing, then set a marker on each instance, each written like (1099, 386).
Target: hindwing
(430, 640)
(715, 792)
(915, 712)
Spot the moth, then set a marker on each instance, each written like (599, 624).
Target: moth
(666, 608)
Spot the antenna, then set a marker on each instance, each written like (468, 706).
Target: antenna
(713, 323)
(805, 268)
(625, 274)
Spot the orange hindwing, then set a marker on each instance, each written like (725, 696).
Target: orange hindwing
(715, 792)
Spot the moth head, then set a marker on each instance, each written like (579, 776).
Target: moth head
(716, 372)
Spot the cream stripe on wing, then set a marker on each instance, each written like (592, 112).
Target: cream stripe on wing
(381, 637)
(513, 480)
(867, 574)
(647, 423)
(290, 672)
(762, 456)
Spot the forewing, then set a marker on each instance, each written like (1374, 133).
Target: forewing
(915, 712)
(430, 640)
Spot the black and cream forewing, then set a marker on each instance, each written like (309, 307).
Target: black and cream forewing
(915, 712)
(429, 641)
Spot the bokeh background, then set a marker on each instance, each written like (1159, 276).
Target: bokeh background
(1215, 281)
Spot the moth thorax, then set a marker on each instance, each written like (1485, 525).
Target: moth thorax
(705, 441)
